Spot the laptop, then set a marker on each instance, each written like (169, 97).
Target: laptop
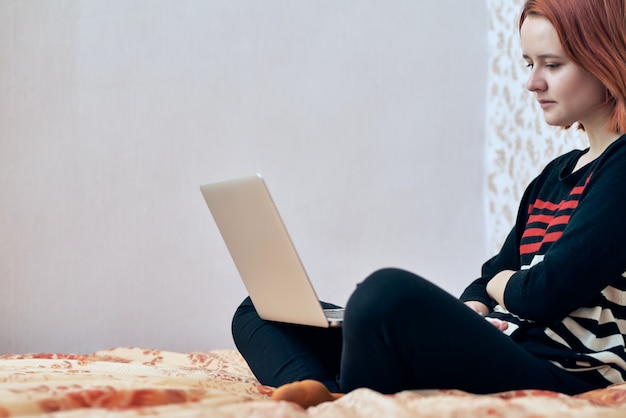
(264, 255)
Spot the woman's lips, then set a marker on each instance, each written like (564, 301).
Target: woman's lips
(545, 104)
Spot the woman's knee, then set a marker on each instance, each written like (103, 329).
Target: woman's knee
(385, 294)
(243, 320)
(394, 295)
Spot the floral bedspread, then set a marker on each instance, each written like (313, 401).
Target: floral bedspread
(130, 382)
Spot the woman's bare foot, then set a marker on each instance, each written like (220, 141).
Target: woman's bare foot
(305, 393)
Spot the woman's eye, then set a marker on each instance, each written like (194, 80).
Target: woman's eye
(553, 65)
(529, 65)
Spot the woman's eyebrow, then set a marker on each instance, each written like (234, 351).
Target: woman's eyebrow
(544, 56)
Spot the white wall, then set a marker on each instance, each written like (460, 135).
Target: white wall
(366, 118)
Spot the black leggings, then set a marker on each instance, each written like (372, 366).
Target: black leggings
(400, 332)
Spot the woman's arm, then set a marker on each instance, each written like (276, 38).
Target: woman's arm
(506, 259)
(589, 255)
(497, 285)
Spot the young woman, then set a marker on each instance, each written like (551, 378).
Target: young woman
(549, 311)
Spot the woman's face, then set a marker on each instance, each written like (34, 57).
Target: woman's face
(566, 93)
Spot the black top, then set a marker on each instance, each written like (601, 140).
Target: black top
(567, 300)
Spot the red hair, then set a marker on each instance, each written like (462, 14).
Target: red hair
(593, 35)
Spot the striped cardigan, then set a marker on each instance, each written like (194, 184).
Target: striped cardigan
(567, 300)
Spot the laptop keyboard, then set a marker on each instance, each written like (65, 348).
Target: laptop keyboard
(334, 314)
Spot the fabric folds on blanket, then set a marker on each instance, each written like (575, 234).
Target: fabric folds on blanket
(137, 382)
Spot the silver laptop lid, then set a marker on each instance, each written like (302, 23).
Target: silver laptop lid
(263, 252)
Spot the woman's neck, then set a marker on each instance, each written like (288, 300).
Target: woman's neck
(598, 133)
(599, 141)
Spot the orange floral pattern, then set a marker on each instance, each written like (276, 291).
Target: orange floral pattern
(136, 382)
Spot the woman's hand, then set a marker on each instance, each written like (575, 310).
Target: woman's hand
(501, 325)
(482, 310)
(478, 307)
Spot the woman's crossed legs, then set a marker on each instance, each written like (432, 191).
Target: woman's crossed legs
(400, 332)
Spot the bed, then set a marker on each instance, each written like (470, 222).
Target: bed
(131, 382)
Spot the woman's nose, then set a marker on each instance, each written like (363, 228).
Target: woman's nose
(535, 82)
